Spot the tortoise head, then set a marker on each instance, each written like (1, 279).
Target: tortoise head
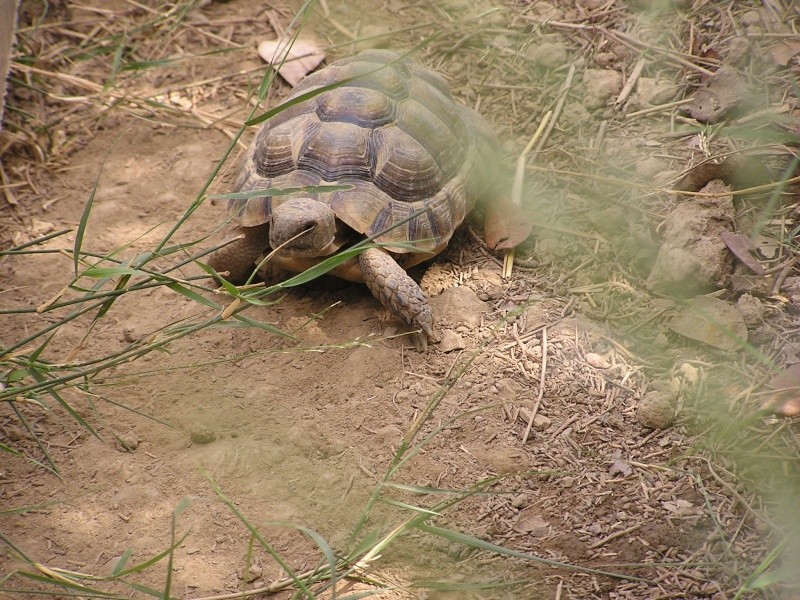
(303, 227)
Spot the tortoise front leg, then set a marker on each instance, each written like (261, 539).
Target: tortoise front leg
(390, 284)
(239, 258)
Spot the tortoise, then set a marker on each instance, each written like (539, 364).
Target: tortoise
(414, 163)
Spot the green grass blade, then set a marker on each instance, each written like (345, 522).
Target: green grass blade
(20, 555)
(26, 509)
(123, 560)
(146, 590)
(179, 509)
(138, 568)
(321, 543)
(88, 208)
(35, 437)
(264, 543)
(193, 296)
(39, 240)
(65, 405)
(265, 326)
(5, 448)
(66, 585)
(760, 579)
(115, 64)
(410, 507)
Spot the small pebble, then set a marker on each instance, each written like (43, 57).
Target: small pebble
(661, 341)
(127, 442)
(253, 573)
(540, 422)
(451, 341)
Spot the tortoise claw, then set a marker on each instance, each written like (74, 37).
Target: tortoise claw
(390, 284)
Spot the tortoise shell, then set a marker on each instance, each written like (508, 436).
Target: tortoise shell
(393, 133)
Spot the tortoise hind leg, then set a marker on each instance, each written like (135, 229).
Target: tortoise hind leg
(390, 284)
(239, 258)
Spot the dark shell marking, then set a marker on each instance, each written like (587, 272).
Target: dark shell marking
(395, 134)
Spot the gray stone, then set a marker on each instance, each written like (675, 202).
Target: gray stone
(693, 259)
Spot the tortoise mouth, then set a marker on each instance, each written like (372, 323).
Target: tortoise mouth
(303, 227)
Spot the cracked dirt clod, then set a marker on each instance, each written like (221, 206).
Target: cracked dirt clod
(656, 410)
(601, 85)
(693, 258)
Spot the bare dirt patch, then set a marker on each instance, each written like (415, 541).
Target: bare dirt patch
(543, 398)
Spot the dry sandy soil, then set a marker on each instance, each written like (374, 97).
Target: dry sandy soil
(646, 459)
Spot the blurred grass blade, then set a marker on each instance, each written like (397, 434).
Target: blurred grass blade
(88, 208)
(64, 404)
(182, 505)
(138, 568)
(147, 590)
(309, 189)
(321, 543)
(5, 448)
(117, 61)
(35, 438)
(123, 560)
(264, 543)
(760, 578)
(265, 326)
(20, 555)
(39, 240)
(66, 584)
(479, 544)
(410, 507)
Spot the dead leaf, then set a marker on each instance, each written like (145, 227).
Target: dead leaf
(303, 57)
(742, 248)
(786, 399)
(788, 408)
(531, 523)
(679, 507)
(620, 467)
(783, 53)
(596, 361)
(786, 379)
(505, 225)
